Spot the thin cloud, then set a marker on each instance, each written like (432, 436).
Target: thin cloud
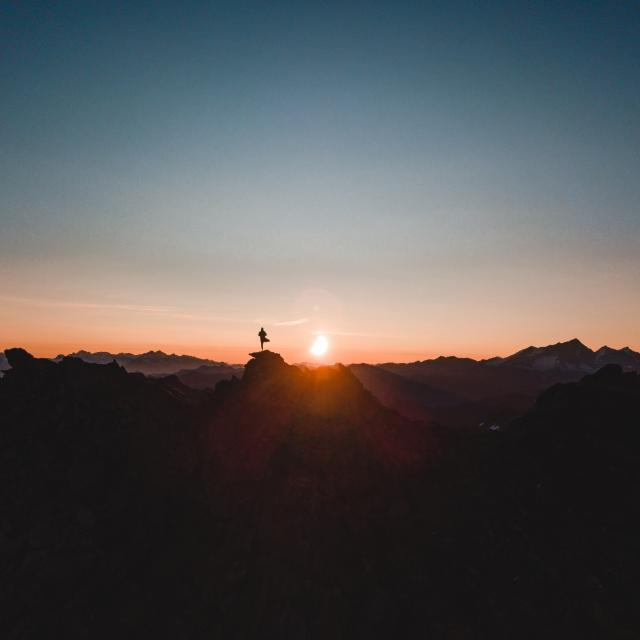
(197, 316)
(166, 312)
(347, 333)
(291, 323)
(40, 302)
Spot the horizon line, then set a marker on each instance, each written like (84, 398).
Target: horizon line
(319, 361)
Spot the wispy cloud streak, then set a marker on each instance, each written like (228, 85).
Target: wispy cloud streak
(291, 323)
(167, 312)
(53, 304)
(354, 334)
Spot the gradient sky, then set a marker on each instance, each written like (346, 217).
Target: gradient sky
(411, 179)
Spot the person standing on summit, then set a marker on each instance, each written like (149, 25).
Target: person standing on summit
(262, 334)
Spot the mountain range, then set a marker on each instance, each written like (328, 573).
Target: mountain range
(149, 363)
(466, 392)
(291, 503)
(451, 391)
(570, 356)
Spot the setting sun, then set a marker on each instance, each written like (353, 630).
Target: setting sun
(320, 346)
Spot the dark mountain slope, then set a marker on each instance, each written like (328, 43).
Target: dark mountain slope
(582, 444)
(478, 381)
(135, 505)
(329, 402)
(291, 504)
(98, 488)
(492, 391)
(408, 397)
(318, 472)
(208, 376)
(556, 513)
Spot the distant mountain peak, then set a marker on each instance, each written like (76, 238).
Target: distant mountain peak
(572, 356)
(19, 358)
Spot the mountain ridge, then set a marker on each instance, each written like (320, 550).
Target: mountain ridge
(291, 503)
(493, 391)
(150, 363)
(603, 354)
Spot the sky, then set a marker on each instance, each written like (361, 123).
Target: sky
(407, 179)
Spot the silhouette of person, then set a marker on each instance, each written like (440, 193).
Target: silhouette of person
(262, 334)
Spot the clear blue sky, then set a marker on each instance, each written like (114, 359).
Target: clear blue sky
(411, 178)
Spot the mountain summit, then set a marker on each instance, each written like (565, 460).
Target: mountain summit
(571, 356)
(322, 414)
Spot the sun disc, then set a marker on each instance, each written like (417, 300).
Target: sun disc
(320, 346)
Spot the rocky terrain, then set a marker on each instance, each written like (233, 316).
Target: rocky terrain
(292, 504)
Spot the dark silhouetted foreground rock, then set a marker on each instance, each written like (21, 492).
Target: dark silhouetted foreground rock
(291, 504)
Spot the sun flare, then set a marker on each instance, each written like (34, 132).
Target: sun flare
(320, 346)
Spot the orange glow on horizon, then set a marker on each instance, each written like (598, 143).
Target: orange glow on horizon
(292, 353)
(47, 328)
